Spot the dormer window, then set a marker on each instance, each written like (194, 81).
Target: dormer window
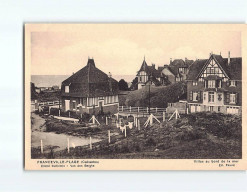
(194, 83)
(66, 89)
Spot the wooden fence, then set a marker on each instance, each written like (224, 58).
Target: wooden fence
(141, 110)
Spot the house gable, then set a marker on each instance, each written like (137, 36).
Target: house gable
(212, 67)
(167, 72)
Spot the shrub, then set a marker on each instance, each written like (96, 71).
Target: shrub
(150, 142)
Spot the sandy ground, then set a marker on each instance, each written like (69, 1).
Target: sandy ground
(53, 139)
(38, 123)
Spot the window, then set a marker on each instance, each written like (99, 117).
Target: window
(218, 108)
(219, 97)
(66, 89)
(181, 70)
(232, 98)
(195, 96)
(219, 83)
(73, 105)
(200, 79)
(211, 108)
(204, 96)
(211, 83)
(210, 96)
(194, 83)
(232, 83)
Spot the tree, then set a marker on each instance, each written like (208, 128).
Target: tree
(123, 85)
(33, 92)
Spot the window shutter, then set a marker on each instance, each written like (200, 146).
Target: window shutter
(191, 95)
(236, 98)
(227, 97)
(199, 96)
(236, 83)
(227, 83)
(217, 83)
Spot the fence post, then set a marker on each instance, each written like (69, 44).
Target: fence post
(90, 143)
(164, 116)
(138, 109)
(139, 125)
(122, 108)
(59, 112)
(156, 109)
(68, 144)
(41, 146)
(106, 120)
(125, 132)
(109, 136)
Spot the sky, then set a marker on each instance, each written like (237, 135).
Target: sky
(120, 48)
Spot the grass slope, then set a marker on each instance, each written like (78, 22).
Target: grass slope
(194, 136)
(159, 96)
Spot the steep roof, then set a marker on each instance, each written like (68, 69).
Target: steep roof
(151, 70)
(195, 68)
(90, 81)
(233, 70)
(180, 63)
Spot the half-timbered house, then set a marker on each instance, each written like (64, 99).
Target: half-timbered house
(90, 90)
(215, 85)
(148, 75)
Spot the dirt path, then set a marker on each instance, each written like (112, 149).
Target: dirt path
(38, 123)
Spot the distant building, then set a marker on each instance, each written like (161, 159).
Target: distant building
(55, 87)
(37, 89)
(148, 75)
(176, 71)
(215, 85)
(90, 90)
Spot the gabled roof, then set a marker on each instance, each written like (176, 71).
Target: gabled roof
(195, 69)
(90, 81)
(150, 70)
(154, 80)
(233, 70)
(180, 63)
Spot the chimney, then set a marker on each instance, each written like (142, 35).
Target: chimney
(110, 83)
(91, 62)
(229, 59)
(170, 60)
(153, 65)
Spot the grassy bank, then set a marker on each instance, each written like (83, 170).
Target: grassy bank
(194, 136)
(159, 96)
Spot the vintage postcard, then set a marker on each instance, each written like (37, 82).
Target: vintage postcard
(135, 96)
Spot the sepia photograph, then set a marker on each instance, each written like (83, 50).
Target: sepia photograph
(133, 92)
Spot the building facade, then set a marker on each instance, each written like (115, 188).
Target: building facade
(90, 90)
(215, 85)
(176, 71)
(148, 75)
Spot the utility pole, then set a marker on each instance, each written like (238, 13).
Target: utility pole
(149, 94)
